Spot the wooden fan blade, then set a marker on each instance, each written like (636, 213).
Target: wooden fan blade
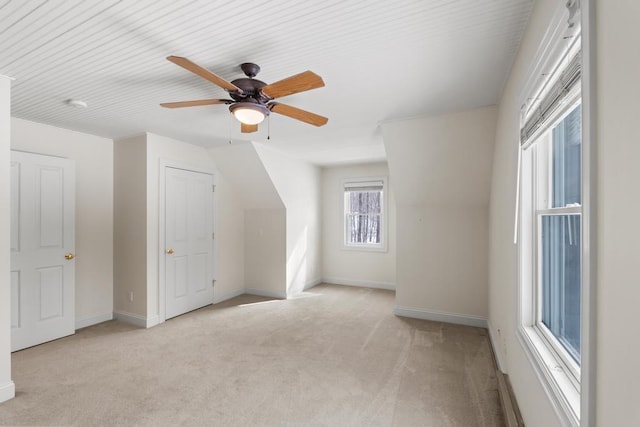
(204, 73)
(244, 128)
(298, 114)
(294, 84)
(196, 103)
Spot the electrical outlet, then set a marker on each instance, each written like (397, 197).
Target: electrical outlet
(131, 296)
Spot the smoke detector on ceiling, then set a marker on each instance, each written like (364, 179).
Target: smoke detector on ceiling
(76, 103)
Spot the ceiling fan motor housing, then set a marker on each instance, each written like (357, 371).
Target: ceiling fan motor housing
(250, 90)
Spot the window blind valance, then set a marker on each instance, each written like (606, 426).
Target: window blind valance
(553, 99)
(375, 185)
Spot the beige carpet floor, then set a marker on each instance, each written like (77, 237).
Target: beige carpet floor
(336, 356)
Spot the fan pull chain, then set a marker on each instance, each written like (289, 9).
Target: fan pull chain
(230, 120)
(268, 127)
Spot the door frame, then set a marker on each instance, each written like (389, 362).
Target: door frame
(162, 186)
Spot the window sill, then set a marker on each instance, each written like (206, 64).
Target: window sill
(564, 396)
(364, 248)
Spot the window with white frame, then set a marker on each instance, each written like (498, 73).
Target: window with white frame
(553, 190)
(550, 231)
(364, 213)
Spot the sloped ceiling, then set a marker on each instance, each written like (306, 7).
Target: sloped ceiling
(251, 182)
(380, 60)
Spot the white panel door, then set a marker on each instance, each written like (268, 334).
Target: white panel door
(189, 241)
(42, 249)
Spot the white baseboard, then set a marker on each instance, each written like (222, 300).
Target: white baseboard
(219, 298)
(360, 283)
(7, 391)
(307, 285)
(130, 318)
(441, 316)
(153, 321)
(83, 322)
(311, 284)
(495, 344)
(264, 293)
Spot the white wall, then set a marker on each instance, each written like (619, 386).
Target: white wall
(93, 158)
(298, 184)
(240, 164)
(7, 388)
(265, 242)
(130, 231)
(353, 267)
(534, 404)
(228, 217)
(442, 260)
(618, 203)
(441, 172)
(264, 215)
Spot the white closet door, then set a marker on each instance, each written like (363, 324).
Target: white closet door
(189, 241)
(42, 249)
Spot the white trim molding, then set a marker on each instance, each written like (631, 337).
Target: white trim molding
(265, 293)
(7, 391)
(307, 285)
(135, 319)
(359, 283)
(441, 316)
(220, 298)
(311, 284)
(562, 395)
(83, 322)
(589, 217)
(153, 321)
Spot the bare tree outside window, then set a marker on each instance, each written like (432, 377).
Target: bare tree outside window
(363, 214)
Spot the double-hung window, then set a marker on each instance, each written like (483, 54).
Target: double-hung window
(551, 232)
(558, 222)
(553, 165)
(364, 214)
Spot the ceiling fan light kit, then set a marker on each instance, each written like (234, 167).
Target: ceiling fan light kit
(252, 99)
(249, 113)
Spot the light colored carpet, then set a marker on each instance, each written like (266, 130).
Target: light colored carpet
(335, 356)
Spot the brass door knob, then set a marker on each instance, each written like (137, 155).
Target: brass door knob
(69, 256)
(170, 251)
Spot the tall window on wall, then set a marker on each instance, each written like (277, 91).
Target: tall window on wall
(551, 232)
(364, 214)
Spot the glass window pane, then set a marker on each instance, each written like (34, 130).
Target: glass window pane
(365, 201)
(363, 211)
(567, 160)
(363, 228)
(561, 277)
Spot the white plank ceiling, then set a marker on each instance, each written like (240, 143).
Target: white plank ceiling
(380, 60)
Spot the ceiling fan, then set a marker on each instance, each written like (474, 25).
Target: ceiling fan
(252, 99)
